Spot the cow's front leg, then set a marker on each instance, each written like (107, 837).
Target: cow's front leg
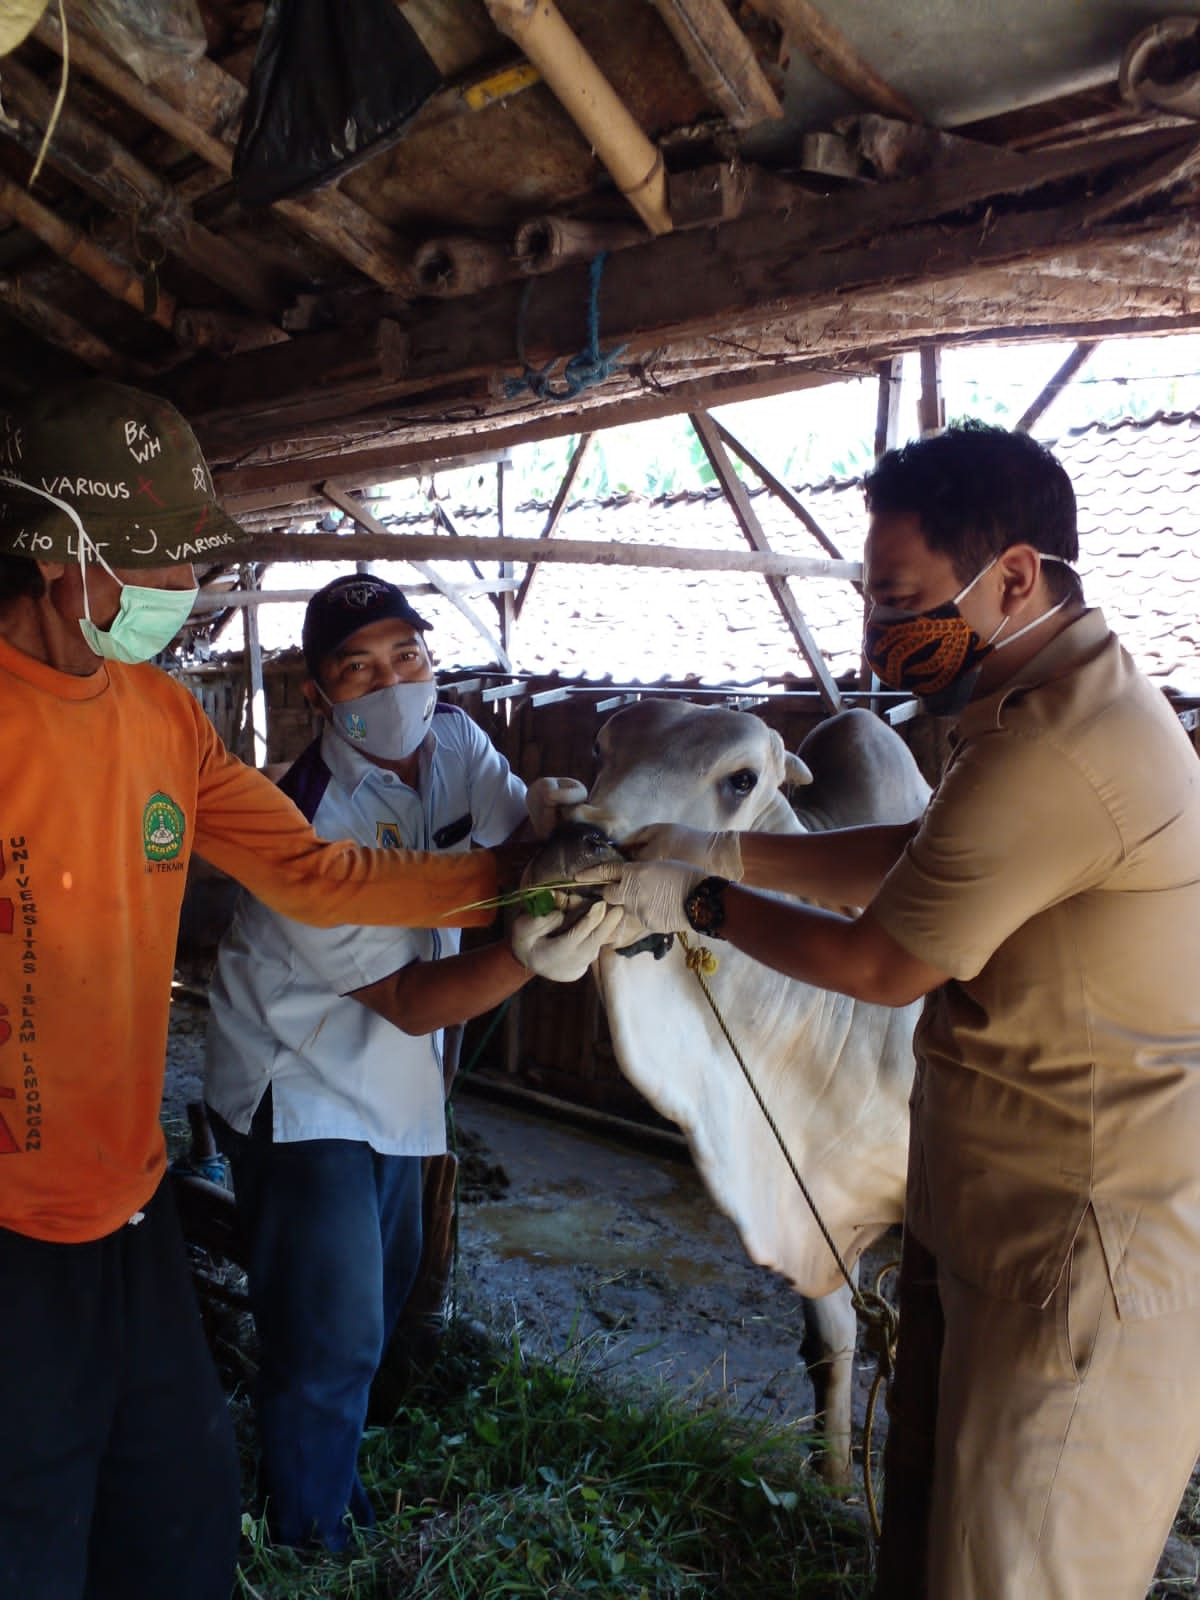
(830, 1328)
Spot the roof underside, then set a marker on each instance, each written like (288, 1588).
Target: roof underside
(954, 171)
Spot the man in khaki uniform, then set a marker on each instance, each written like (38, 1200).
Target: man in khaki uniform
(1045, 1416)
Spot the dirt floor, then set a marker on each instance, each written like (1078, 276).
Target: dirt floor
(574, 1238)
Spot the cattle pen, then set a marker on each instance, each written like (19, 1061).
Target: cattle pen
(527, 225)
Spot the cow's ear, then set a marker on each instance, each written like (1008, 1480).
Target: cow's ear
(795, 771)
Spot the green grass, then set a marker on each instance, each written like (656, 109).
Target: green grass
(508, 1476)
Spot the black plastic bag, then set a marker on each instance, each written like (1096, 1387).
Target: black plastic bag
(334, 81)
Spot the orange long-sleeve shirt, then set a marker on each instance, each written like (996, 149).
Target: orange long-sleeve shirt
(108, 785)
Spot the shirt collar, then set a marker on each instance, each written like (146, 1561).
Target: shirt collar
(1077, 642)
(351, 770)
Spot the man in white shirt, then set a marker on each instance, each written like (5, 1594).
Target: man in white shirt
(324, 1069)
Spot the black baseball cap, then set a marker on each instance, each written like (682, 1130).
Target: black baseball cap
(346, 605)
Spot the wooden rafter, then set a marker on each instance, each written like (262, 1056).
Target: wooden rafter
(832, 53)
(63, 331)
(555, 515)
(201, 105)
(779, 489)
(671, 287)
(1078, 358)
(91, 158)
(382, 544)
(387, 546)
(735, 492)
(79, 251)
(721, 59)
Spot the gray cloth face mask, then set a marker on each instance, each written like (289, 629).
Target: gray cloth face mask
(388, 723)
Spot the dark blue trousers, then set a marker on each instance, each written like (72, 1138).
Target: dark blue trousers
(118, 1473)
(334, 1237)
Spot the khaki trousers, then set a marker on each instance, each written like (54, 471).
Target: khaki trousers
(1033, 1454)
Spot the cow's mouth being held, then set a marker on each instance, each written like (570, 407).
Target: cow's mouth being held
(572, 847)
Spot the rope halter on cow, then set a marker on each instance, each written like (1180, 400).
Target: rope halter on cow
(877, 1314)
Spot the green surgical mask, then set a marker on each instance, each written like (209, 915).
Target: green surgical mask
(146, 620)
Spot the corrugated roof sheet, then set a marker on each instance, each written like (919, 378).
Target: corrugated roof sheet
(1139, 515)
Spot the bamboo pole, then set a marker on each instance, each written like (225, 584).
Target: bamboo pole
(74, 246)
(543, 243)
(537, 27)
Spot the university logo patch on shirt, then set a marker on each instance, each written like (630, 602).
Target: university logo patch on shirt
(387, 835)
(162, 828)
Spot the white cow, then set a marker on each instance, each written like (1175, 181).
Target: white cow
(835, 1072)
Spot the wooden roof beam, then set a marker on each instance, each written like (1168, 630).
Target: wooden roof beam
(677, 286)
(293, 478)
(201, 105)
(104, 169)
(383, 544)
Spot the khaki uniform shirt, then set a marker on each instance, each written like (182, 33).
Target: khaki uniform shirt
(1056, 876)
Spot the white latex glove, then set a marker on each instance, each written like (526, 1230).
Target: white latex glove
(564, 957)
(718, 855)
(652, 891)
(547, 798)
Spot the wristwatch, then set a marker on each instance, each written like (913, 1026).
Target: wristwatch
(704, 907)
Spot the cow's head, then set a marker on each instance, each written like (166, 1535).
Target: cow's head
(673, 761)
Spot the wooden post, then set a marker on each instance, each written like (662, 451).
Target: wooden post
(931, 407)
(1034, 413)
(556, 511)
(504, 599)
(255, 733)
(739, 500)
(887, 411)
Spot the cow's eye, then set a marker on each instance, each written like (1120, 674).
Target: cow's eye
(742, 781)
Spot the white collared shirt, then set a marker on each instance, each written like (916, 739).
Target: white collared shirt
(279, 1008)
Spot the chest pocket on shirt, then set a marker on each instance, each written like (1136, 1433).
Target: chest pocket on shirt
(454, 832)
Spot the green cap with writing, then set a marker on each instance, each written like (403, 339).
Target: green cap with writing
(127, 465)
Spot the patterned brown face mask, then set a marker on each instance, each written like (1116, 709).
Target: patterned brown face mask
(922, 652)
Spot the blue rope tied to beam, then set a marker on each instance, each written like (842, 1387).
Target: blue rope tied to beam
(581, 371)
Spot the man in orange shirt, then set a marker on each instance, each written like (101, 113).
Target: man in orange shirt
(118, 1476)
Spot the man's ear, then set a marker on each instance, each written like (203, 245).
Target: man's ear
(313, 695)
(1020, 567)
(51, 571)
